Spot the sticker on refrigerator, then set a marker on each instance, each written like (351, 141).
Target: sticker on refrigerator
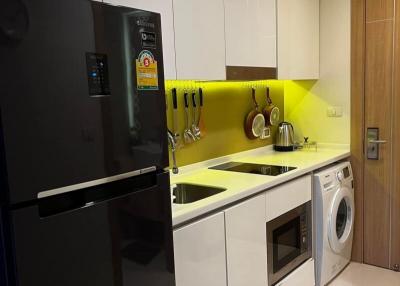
(146, 71)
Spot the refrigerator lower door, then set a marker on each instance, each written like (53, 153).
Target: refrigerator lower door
(122, 241)
(3, 269)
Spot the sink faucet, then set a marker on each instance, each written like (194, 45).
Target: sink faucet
(172, 142)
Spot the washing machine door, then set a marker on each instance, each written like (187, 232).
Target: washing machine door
(341, 219)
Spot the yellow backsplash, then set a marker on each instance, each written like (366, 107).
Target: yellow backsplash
(226, 105)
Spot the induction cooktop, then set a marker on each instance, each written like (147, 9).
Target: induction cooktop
(259, 169)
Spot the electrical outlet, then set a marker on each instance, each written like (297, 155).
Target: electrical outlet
(331, 112)
(266, 133)
(339, 111)
(335, 111)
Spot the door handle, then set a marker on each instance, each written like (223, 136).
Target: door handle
(374, 142)
(377, 141)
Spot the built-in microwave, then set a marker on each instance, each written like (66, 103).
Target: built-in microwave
(289, 242)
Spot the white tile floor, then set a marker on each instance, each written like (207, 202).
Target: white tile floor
(365, 275)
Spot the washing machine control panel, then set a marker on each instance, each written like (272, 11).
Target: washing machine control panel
(343, 174)
(330, 179)
(340, 176)
(346, 172)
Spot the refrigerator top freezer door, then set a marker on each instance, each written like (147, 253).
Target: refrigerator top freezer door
(82, 96)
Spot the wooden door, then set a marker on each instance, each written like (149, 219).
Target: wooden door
(376, 87)
(378, 104)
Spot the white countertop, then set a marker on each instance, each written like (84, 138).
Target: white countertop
(242, 185)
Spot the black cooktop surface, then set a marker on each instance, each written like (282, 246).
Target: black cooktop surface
(259, 169)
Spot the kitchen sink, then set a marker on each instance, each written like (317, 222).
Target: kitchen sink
(189, 193)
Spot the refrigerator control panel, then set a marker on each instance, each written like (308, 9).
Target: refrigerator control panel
(97, 72)
(149, 40)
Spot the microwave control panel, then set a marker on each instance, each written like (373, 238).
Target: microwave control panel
(97, 72)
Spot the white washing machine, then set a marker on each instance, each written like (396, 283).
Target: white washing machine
(333, 220)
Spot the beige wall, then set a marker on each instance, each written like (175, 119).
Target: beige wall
(306, 102)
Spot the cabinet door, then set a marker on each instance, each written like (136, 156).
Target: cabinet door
(200, 39)
(298, 39)
(200, 257)
(164, 7)
(246, 243)
(250, 33)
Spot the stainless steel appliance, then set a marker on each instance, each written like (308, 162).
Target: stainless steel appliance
(83, 144)
(285, 138)
(289, 242)
(259, 169)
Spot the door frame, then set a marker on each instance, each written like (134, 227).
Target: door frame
(357, 144)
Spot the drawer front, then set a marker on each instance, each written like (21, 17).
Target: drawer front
(304, 275)
(288, 196)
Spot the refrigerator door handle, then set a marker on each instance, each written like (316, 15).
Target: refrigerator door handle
(76, 187)
(93, 196)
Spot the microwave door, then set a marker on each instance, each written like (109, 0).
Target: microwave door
(286, 244)
(289, 242)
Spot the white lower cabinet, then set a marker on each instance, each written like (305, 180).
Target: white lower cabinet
(230, 248)
(246, 246)
(200, 257)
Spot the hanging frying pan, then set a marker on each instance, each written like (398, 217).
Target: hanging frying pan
(255, 121)
(271, 112)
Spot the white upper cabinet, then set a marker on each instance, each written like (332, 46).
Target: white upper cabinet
(200, 39)
(164, 7)
(237, 39)
(298, 39)
(272, 38)
(250, 33)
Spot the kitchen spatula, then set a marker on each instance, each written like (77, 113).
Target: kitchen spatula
(200, 122)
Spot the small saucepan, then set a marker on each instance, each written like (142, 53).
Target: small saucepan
(255, 121)
(271, 112)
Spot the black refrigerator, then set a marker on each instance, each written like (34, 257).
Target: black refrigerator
(84, 195)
